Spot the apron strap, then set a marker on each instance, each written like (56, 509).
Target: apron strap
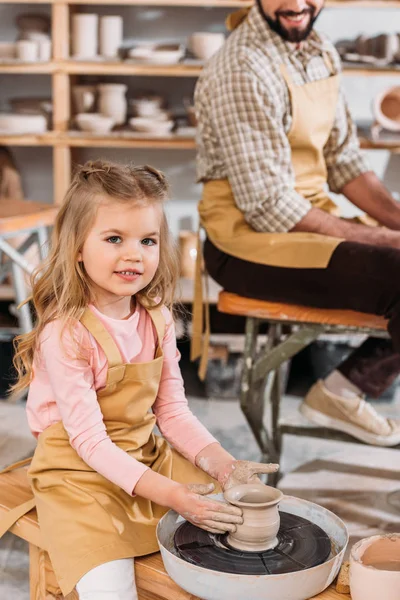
(201, 314)
(236, 18)
(13, 515)
(159, 323)
(103, 337)
(17, 465)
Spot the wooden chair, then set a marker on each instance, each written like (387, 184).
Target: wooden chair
(151, 578)
(290, 329)
(31, 220)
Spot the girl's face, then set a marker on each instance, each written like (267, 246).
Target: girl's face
(121, 254)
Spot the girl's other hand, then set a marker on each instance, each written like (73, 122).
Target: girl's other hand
(244, 471)
(212, 515)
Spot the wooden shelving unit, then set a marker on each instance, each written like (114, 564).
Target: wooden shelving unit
(64, 72)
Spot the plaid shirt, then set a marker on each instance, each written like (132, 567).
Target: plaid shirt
(244, 115)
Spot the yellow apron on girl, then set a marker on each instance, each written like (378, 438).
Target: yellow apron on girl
(86, 520)
(314, 107)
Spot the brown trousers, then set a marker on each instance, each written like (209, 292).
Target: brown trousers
(359, 277)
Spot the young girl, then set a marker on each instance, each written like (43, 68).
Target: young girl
(102, 366)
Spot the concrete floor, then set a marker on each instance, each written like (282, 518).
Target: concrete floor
(352, 480)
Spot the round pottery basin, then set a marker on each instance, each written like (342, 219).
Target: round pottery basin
(375, 568)
(299, 585)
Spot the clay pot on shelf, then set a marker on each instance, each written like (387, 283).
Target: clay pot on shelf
(204, 44)
(110, 35)
(85, 36)
(261, 520)
(147, 106)
(188, 253)
(112, 101)
(84, 98)
(375, 568)
(386, 109)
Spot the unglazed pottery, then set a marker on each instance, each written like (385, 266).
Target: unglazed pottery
(113, 102)
(261, 520)
(111, 34)
(204, 44)
(386, 109)
(85, 35)
(375, 568)
(94, 122)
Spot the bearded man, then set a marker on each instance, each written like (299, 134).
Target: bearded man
(274, 136)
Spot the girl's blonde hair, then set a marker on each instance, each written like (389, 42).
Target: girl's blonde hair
(60, 286)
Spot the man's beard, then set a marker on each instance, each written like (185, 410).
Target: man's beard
(290, 35)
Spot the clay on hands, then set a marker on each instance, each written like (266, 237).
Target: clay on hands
(209, 514)
(245, 471)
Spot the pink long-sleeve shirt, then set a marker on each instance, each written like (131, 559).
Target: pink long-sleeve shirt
(64, 389)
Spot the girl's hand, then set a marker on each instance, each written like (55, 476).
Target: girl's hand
(213, 516)
(237, 472)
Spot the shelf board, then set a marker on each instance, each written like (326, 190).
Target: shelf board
(360, 71)
(126, 140)
(127, 68)
(75, 67)
(26, 68)
(208, 3)
(29, 139)
(180, 3)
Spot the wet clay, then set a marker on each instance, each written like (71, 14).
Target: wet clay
(261, 520)
(374, 567)
(244, 471)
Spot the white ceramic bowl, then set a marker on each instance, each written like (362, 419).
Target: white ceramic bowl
(157, 55)
(204, 44)
(386, 108)
(94, 122)
(15, 123)
(147, 106)
(151, 126)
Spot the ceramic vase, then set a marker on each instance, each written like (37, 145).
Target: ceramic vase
(261, 520)
(85, 36)
(112, 101)
(110, 37)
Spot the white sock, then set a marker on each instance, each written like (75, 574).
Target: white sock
(338, 384)
(114, 580)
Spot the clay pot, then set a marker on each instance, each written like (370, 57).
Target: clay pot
(85, 35)
(261, 519)
(387, 109)
(111, 32)
(113, 102)
(204, 44)
(375, 568)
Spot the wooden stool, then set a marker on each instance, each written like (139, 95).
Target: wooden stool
(20, 217)
(151, 578)
(260, 380)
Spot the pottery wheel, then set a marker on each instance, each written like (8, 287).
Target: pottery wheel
(301, 545)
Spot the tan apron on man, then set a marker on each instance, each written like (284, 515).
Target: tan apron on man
(86, 520)
(313, 107)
